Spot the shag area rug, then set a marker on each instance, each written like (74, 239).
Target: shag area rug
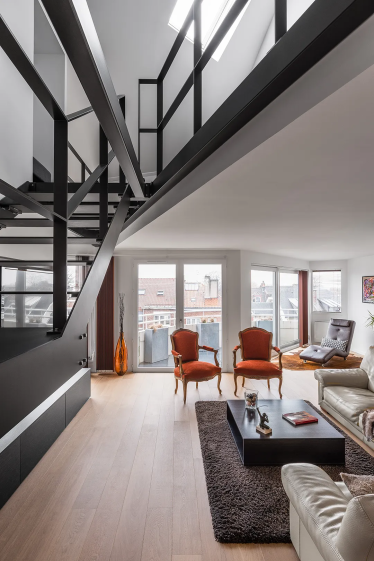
(248, 504)
(292, 361)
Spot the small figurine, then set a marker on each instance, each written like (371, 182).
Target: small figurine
(263, 427)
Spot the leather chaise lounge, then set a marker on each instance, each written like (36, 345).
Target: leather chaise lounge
(338, 330)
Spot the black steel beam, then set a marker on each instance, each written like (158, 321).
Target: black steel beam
(160, 134)
(86, 187)
(280, 18)
(9, 240)
(145, 130)
(20, 198)
(177, 43)
(73, 188)
(30, 264)
(83, 112)
(74, 25)
(197, 76)
(25, 223)
(218, 37)
(321, 28)
(103, 204)
(60, 232)
(28, 71)
(79, 158)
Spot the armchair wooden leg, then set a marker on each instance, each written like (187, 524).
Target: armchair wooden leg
(219, 384)
(197, 385)
(184, 390)
(236, 385)
(176, 385)
(243, 382)
(269, 384)
(280, 385)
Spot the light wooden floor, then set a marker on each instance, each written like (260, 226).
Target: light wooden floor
(125, 481)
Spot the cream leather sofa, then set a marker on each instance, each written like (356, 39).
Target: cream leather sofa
(326, 522)
(345, 394)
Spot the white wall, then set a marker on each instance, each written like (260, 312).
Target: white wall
(357, 310)
(16, 98)
(340, 265)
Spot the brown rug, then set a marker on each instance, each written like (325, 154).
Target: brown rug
(292, 361)
(248, 504)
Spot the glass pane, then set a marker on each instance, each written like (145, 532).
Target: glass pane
(327, 286)
(203, 306)
(26, 310)
(76, 276)
(156, 314)
(26, 280)
(289, 308)
(263, 300)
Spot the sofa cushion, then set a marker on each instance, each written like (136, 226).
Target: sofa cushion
(334, 344)
(350, 402)
(319, 503)
(358, 484)
(367, 364)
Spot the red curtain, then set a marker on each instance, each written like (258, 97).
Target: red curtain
(105, 322)
(303, 307)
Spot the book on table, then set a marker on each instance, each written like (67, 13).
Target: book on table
(299, 418)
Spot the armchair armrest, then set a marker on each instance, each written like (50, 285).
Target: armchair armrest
(353, 378)
(210, 349)
(234, 353)
(277, 350)
(178, 358)
(355, 536)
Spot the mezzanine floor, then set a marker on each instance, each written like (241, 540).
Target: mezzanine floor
(125, 480)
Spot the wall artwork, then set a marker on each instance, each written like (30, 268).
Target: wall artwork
(368, 290)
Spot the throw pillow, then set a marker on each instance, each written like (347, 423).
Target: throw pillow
(334, 344)
(359, 484)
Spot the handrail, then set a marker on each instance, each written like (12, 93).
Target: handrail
(20, 198)
(80, 160)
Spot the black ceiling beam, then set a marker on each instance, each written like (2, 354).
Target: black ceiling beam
(280, 18)
(20, 198)
(211, 48)
(83, 112)
(74, 25)
(28, 71)
(86, 187)
(26, 223)
(4, 240)
(177, 43)
(319, 30)
(73, 187)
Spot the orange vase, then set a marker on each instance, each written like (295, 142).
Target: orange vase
(120, 358)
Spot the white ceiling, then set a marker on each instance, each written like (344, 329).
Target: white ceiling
(307, 192)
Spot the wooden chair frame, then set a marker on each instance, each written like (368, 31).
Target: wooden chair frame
(178, 361)
(249, 377)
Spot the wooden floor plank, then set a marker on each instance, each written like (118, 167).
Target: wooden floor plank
(158, 535)
(125, 480)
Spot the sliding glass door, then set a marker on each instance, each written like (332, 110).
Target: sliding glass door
(275, 304)
(263, 297)
(288, 308)
(203, 306)
(175, 295)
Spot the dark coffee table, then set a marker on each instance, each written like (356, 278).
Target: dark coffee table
(316, 443)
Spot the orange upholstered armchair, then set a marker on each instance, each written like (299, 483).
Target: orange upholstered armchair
(188, 367)
(255, 347)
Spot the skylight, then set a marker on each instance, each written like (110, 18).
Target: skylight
(213, 13)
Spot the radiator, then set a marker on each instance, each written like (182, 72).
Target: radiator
(320, 330)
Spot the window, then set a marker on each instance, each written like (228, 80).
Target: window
(326, 287)
(141, 291)
(160, 293)
(193, 299)
(191, 286)
(213, 14)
